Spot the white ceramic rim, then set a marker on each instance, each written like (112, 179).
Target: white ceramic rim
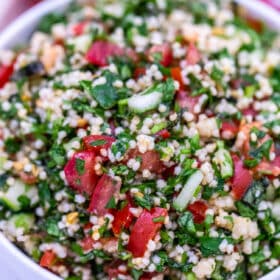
(29, 18)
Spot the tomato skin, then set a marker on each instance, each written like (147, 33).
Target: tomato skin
(6, 72)
(198, 209)
(87, 243)
(138, 72)
(241, 180)
(164, 133)
(270, 168)
(186, 101)
(250, 111)
(229, 129)
(193, 56)
(165, 51)
(122, 219)
(144, 230)
(150, 160)
(87, 140)
(82, 182)
(176, 75)
(79, 28)
(103, 192)
(48, 259)
(100, 51)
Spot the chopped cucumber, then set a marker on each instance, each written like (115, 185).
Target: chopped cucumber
(143, 102)
(81, 43)
(22, 220)
(187, 193)
(223, 159)
(11, 197)
(276, 209)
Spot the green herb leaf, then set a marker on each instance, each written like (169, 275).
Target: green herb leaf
(80, 166)
(209, 246)
(186, 223)
(111, 203)
(97, 143)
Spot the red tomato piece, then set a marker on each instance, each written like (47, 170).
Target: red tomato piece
(198, 209)
(144, 230)
(164, 133)
(95, 143)
(87, 243)
(241, 180)
(101, 51)
(113, 270)
(6, 72)
(149, 160)
(229, 129)
(270, 168)
(79, 28)
(48, 259)
(122, 219)
(28, 178)
(186, 101)
(79, 171)
(165, 51)
(103, 192)
(193, 55)
(139, 71)
(250, 111)
(176, 75)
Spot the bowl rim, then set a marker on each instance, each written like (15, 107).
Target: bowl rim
(32, 15)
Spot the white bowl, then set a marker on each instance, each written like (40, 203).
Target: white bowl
(19, 32)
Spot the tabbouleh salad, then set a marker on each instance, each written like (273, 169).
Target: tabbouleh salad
(140, 140)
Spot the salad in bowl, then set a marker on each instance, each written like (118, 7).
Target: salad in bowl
(140, 140)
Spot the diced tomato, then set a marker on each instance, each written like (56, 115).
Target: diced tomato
(168, 172)
(250, 111)
(241, 180)
(122, 219)
(87, 226)
(177, 75)
(101, 51)
(198, 209)
(79, 171)
(95, 143)
(144, 230)
(103, 192)
(150, 160)
(28, 178)
(79, 28)
(193, 55)
(48, 259)
(113, 270)
(6, 72)
(270, 168)
(139, 71)
(87, 243)
(165, 51)
(186, 101)
(164, 133)
(229, 129)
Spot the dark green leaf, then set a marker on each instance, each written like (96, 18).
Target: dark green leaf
(80, 166)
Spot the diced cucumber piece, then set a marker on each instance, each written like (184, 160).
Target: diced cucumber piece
(18, 189)
(22, 220)
(141, 103)
(81, 43)
(276, 209)
(3, 159)
(223, 159)
(182, 200)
